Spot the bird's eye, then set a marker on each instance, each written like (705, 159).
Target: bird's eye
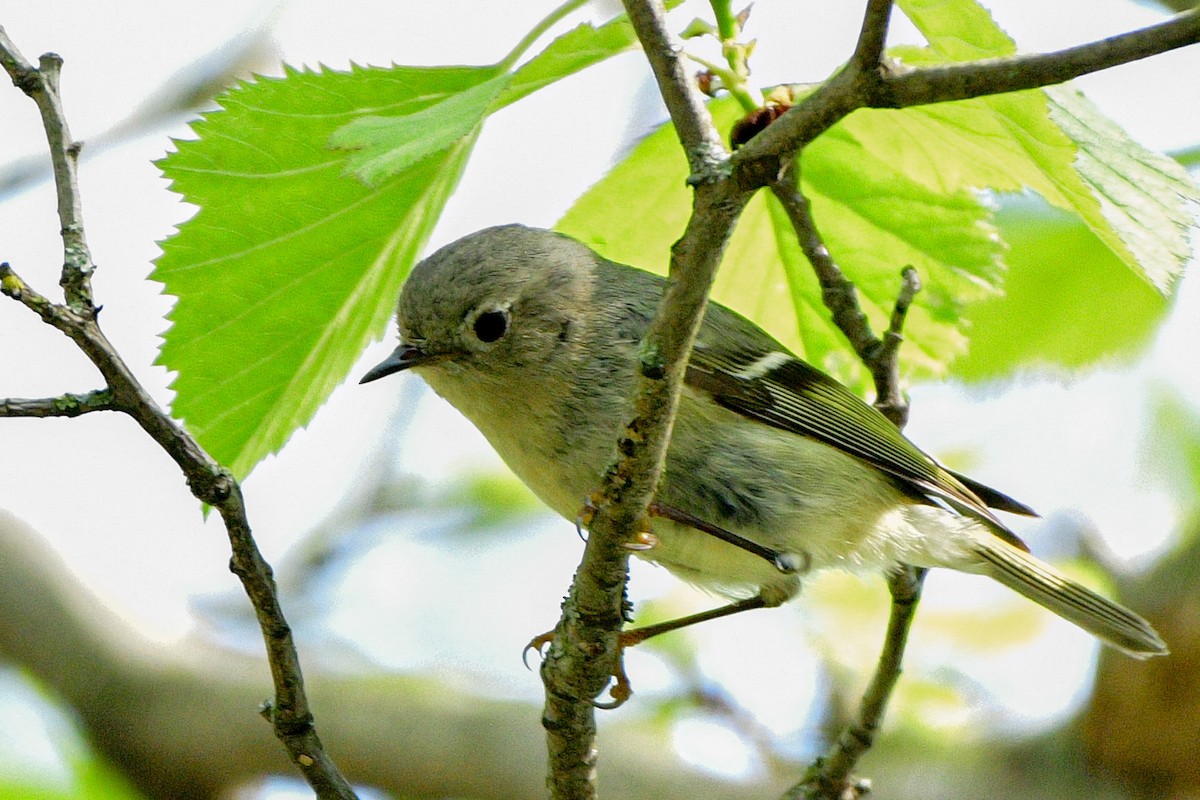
(491, 325)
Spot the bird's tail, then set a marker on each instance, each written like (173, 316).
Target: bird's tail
(1115, 624)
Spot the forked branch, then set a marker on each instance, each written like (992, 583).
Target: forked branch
(723, 185)
(209, 481)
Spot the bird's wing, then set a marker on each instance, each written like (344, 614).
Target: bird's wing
(782, 391)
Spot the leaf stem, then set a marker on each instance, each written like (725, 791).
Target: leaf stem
(732, 82)
(538, 30)
(727, 23)
(737, 55)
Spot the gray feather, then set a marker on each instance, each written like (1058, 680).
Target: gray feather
(1101, 617)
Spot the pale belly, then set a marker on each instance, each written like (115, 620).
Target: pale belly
(787, 493)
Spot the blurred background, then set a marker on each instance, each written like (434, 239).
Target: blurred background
(414, 568)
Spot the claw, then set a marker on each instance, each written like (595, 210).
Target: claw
(537, 643)
(620, 691)
(645, 540)
(791, 563)
(586, 512)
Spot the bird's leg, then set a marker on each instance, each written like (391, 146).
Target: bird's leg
(639, 635)
(621, 689)
(786, 563)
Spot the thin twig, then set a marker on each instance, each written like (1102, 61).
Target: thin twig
(209, 481)
(67, 405)
(868, 54)
(685, 102)
(42, 85)
(916, 87)
(837, 291)
(856, 87)
(829, 777)
(880, 355)
(885, 365)
(212, 484)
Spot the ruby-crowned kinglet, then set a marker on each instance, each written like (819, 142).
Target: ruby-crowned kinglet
(534, 338)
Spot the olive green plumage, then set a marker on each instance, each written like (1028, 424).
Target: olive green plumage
(534, 338)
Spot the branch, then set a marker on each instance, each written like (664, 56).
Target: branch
(829, 777)
(862, 83)
(721, 191)
(885, 365)
(868, 54)
(859, 86)
(837, 291)
(881, 356)
(173, 716)
(42, 86)
(67, 405)
(209, 482)
(584, 653)
(916, 87)
(685, 103)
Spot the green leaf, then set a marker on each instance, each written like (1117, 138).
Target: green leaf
(1068, 300)
(958, 30)
(1189, 157)
(577, 49)
(1142, 203)
(1139, 203)
(494, 499)
(289, 268)
(874, 218)
(386, 145)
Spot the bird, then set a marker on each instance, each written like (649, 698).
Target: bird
(774, 470)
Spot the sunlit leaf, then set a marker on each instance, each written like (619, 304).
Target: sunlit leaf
(387, 144)
(874, 218)
(290, 267)
(1139, 203)
(577, 49)
(1068, 300)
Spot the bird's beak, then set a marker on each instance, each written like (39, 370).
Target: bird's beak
(403, 357)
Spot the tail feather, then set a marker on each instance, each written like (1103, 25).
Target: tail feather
(1115, 624)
